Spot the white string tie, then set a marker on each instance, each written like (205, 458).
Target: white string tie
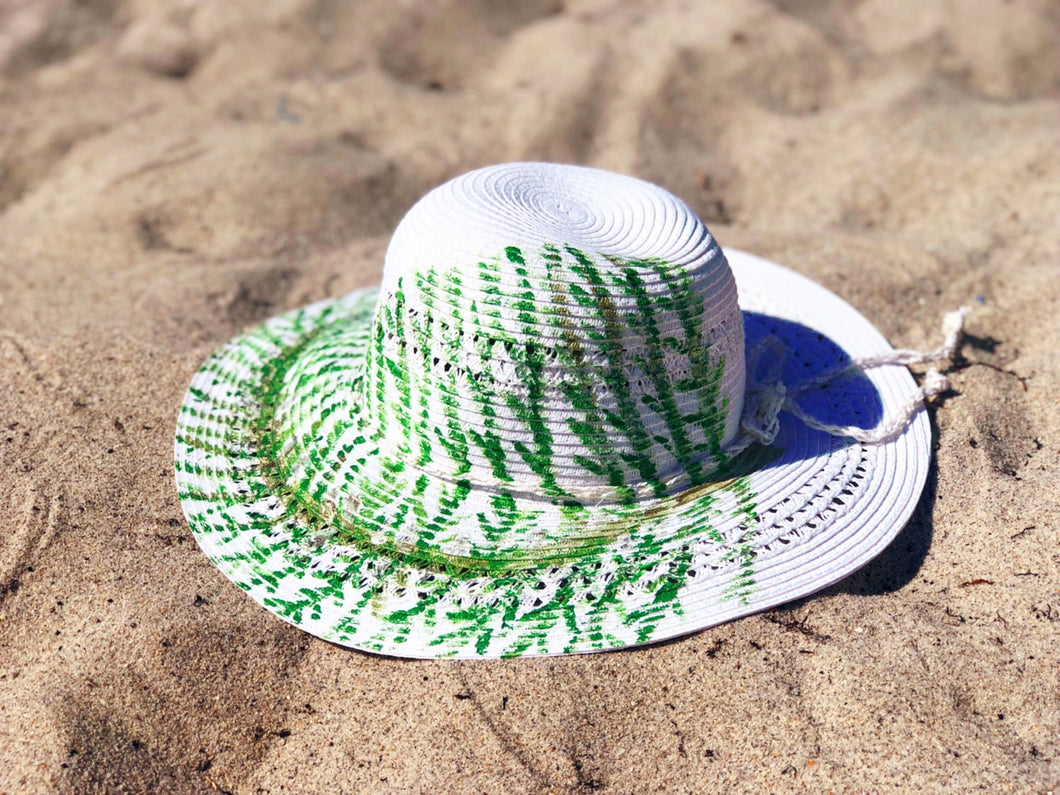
(767, 397)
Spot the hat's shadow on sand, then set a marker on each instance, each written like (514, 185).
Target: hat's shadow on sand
(860, 405)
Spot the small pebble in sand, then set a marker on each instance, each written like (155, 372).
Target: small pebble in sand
(159, 46)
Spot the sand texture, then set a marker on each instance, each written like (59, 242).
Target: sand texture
(174, 171)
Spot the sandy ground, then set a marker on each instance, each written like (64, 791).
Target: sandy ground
(174, 171)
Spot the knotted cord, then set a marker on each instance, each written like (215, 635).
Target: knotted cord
(767, 397)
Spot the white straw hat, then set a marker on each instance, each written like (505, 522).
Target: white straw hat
(553, 428)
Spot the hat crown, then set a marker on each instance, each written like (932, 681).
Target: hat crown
(556, 330)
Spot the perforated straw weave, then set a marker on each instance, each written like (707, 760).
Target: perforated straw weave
(542, 434)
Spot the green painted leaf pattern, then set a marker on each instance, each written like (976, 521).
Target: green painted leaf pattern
(407, 480)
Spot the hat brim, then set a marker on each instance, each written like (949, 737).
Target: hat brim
(781, 523)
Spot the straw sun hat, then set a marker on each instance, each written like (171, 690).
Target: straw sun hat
(566, 421)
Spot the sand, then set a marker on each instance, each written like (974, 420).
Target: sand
(172, 172)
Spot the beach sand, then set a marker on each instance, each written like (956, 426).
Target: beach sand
(173, 172)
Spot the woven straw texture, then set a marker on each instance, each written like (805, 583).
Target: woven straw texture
(528, 440)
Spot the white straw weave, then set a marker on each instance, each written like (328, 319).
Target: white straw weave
(542, 434)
